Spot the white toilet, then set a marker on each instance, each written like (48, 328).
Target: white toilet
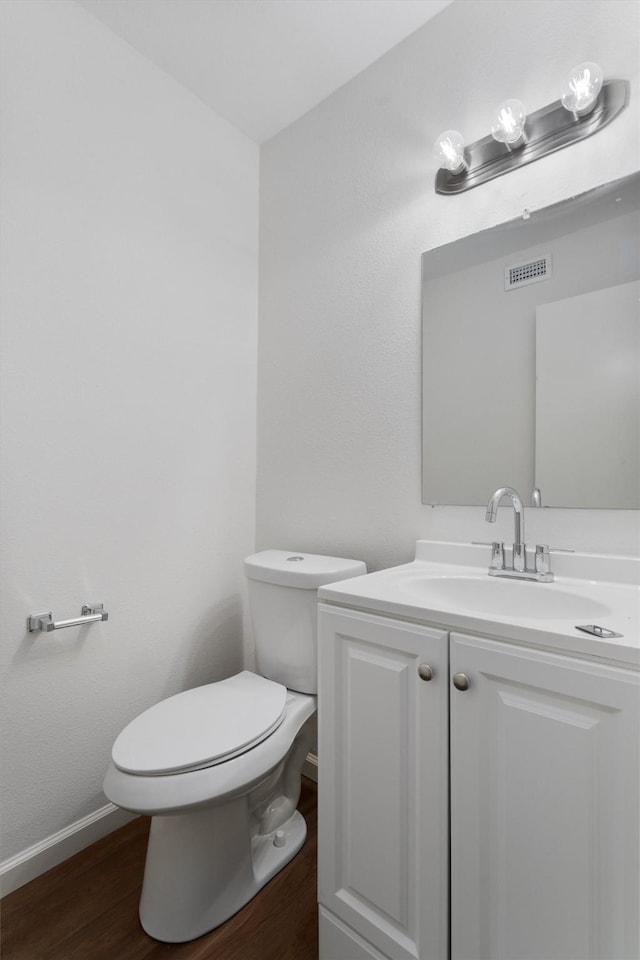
(218, 767)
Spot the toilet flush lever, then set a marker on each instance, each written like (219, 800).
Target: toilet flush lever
(44, 621)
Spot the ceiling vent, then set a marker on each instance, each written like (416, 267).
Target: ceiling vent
(532, 271)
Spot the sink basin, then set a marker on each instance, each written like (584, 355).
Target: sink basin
(518, 599)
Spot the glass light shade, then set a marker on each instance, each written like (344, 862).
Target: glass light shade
(449, 151)
(581, 89)
(508, 123)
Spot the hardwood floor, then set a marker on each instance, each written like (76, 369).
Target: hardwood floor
(87, 908)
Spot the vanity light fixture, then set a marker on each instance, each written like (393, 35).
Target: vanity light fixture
(587, 104)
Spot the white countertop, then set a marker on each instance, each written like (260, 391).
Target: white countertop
(604, 590)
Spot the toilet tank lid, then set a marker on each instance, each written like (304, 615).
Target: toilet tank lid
(309, 571)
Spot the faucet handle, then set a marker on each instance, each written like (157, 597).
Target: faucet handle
(497, 555)
(543, 563)
(497, 552)
(543, 550)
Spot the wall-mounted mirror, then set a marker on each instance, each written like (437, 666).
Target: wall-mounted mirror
(530, 357)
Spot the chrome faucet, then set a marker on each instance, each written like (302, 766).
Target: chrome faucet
(519, 544)
(518, 569)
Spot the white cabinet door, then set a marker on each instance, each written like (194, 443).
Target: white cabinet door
(544, 806)
(383, 790)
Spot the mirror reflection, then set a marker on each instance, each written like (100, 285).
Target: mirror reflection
(531, 353)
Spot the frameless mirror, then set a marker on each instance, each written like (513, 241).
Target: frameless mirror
(530, 357)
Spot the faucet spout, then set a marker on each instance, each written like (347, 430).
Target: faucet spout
(519, 548)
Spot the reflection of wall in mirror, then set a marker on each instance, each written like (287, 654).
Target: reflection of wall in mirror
(588, 399)
(479, 343)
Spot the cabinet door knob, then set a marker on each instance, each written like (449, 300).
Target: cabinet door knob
(461, 681)
(425, 672)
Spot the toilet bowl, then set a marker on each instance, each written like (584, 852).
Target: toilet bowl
(218, 767)
(219, 832)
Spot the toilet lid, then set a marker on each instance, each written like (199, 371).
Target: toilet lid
(201, 727)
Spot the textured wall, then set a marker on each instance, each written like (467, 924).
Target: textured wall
(128, 400)
(347, 208)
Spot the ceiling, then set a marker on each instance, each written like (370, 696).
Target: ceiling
(261, 64)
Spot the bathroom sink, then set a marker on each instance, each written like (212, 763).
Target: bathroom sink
(492, 597)
(448, 586)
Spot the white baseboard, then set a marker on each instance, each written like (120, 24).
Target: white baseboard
(310, 768)
(48, 853)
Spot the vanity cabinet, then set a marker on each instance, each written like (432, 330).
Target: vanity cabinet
(542, 818)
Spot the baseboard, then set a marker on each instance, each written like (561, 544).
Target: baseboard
(310, 768)
(48, 853)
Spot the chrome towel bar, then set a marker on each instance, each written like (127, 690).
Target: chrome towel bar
(44, 621)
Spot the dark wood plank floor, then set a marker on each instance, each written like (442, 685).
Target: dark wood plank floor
(87, 908)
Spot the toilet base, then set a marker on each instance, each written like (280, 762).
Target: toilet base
(202, 868)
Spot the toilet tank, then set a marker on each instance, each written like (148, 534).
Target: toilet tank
(283, 588)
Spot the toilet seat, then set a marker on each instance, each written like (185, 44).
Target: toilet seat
(201, 727)
(219, 783)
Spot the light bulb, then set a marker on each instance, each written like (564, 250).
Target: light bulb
(449, 151)
(508, 123)
(581, 89)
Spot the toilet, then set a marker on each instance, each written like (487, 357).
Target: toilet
(218, 767)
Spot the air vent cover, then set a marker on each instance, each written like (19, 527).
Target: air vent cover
(531, 271)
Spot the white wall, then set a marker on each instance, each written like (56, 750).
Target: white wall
(347, 208)
(128, 399)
